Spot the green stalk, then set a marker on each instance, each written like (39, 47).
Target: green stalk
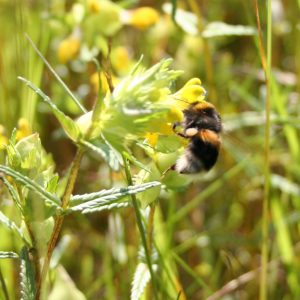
(56, 75)
(191, 272)
(150, 227)
(266, 64)
(140, 225)
(59, 220)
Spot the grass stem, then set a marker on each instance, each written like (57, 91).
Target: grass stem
(266, 64)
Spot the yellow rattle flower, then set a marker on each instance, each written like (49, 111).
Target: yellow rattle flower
(94, 80)
(68, 49)
(3, 138)
(94, 6)
(23, 129)
(144, 17)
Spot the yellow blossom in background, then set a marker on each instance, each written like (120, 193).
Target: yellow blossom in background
(94, 80)
(68, 49)
(24, 129)
(94, 6)
(120, 59)
(143, 17)
(3, 138)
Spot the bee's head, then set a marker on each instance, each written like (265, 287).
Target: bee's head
(203, 115)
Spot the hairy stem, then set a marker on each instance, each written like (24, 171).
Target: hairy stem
(59, 220)
(150, 229)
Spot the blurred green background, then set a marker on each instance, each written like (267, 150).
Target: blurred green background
(211, 230)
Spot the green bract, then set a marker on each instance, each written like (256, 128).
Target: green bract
(30, 166)
(140, 97)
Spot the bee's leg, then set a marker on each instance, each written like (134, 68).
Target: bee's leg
(175, 124)
(172, 168)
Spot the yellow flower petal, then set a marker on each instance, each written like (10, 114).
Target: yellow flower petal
(68, 49)
(152, 138)
(3, 138)
(3, 141)
(94, 80)
(191, 92)
(94, 6)
(120, 59)
(144, 17)
(24, 129)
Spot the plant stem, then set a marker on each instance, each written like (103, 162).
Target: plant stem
(35, 254)
(59, 220)
(140, 224)
(150, 228)
(266, 64)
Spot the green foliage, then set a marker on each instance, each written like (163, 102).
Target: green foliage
(108, 199)
(172, 235)
(4, 254)
(140, 281)
(137, 99)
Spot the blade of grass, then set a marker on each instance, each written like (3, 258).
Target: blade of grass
(56, 75)
(266, 64)
(191, 272)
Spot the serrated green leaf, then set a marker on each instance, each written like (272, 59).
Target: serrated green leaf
(69, 126)
(108, 199)
(215, 29)
(5, 254)
(14, 194)
(28, 288)
(31, 185)
(140, 280)
(4, 220)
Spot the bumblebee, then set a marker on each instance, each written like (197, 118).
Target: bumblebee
(202, 126)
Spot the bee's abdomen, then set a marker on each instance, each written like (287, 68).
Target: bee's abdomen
(206, 152)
